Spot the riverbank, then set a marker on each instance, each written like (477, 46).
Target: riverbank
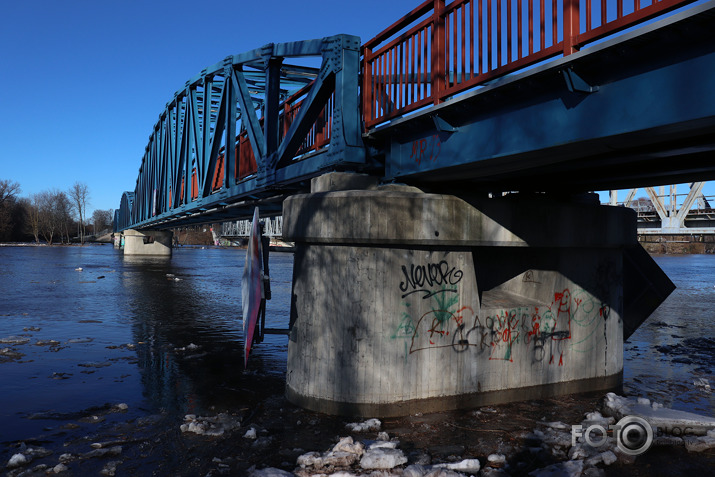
(680, 244)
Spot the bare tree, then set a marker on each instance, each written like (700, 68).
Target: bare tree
(79, 195)
(53, 214)
(33, 213)
(47, 221)
(8, 194)
(8, 190)
(102, 219)
(63, 213)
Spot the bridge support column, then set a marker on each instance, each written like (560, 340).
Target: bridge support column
(409, 302)
(147, 242)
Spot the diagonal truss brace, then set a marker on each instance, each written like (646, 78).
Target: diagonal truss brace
(178, 174)
(672, 219)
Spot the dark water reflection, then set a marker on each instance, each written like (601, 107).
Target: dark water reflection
(157, 334)
(675, 347)
(164, 335)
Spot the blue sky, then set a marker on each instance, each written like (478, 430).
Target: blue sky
(83, 82)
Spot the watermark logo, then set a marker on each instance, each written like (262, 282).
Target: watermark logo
(633, 435)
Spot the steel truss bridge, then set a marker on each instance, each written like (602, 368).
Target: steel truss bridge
(272, 228)
(666, 211)
(474, 96)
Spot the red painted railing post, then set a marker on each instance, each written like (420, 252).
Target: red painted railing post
(367, 89)
(438, 52)
(571, 26)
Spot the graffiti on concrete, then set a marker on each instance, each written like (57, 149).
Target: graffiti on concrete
(545, 332)
(424, 279)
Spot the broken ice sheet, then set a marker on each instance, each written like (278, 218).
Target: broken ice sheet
(16, 340)
(369, 425)
(9, 354)
(210, 426)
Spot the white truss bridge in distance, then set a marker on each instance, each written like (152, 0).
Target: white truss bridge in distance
(272, 227)
(663, 210)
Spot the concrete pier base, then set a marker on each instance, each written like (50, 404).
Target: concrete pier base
(147, 242)
(409, 302)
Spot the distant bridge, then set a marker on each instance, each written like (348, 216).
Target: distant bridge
(671, 212)
(272, 227)
(449, 99)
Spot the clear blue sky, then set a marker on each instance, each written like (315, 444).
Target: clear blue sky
(83, 82)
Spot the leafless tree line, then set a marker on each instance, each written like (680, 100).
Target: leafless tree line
(51, 215)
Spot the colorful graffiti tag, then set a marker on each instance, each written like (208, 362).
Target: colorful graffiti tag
(545, 331)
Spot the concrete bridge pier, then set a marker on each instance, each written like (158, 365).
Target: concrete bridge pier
(409, 302)
(147, 242)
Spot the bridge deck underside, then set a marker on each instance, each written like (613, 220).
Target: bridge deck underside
(650, 121)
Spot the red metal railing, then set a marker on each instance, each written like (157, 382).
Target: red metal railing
(245, 160)
(440, 50)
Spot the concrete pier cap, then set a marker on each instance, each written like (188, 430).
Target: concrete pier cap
(147, 242)
(406, 302)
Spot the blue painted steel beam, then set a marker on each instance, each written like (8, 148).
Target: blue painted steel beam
(634, 108)
(198, 131)
(642, 112)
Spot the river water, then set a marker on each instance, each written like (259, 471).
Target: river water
(164, 336)
(152, 333)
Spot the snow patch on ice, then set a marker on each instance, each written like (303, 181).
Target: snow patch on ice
(16, 340)
(343, 454)
(382, 458)
(703, 383)
(470, 466)
(209, 426)
(16, 461)
(369, 425)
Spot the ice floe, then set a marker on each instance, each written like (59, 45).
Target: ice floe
(369, 425)
(210, 426)
(382, 458)
(10, 354)
(665, 420)
(16, 340)
(703, 383)
(470, 466)
(27, 455)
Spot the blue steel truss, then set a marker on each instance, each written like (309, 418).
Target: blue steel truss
(294, 121)
(632, 110)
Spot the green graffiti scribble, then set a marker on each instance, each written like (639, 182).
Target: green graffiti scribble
(444, 302)
(406, 328)
(405, 331)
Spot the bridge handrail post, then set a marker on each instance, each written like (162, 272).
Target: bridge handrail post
(438, 51)
(366, 90)
(571, 25)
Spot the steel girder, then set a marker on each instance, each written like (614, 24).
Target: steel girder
(123, 214)
(279, 123)
(631, 111)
